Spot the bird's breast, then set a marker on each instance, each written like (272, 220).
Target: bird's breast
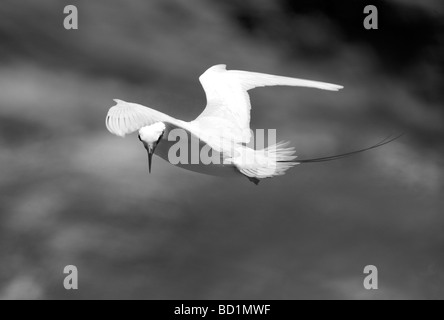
(195, 155)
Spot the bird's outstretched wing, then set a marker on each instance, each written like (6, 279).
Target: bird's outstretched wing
(228, 104)
(125, 118)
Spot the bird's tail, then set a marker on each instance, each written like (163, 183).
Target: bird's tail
(348, 154)
(270, 162)
(277, 159)
(280, 153)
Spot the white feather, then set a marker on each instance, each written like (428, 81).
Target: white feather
(125, 118)
(228, 103)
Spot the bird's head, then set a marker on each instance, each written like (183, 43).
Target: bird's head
(150, 136)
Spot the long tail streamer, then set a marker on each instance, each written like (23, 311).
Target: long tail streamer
(348, 154)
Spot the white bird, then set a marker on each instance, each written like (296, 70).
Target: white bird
(223, 126)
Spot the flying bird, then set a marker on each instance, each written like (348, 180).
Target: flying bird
(223, 127)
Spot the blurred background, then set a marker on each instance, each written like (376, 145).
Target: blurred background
(72, 193)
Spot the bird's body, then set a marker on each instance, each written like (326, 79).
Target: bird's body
(193, 163)
(216, 141)
(215, 169)
(228, 158)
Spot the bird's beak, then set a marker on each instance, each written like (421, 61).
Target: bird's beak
(150, 159)
(150, 149)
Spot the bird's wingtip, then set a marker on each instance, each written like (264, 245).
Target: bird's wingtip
(119, 101)
(335, 87)
(218, 67)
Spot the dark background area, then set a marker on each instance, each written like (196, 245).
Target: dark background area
(72, 193)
